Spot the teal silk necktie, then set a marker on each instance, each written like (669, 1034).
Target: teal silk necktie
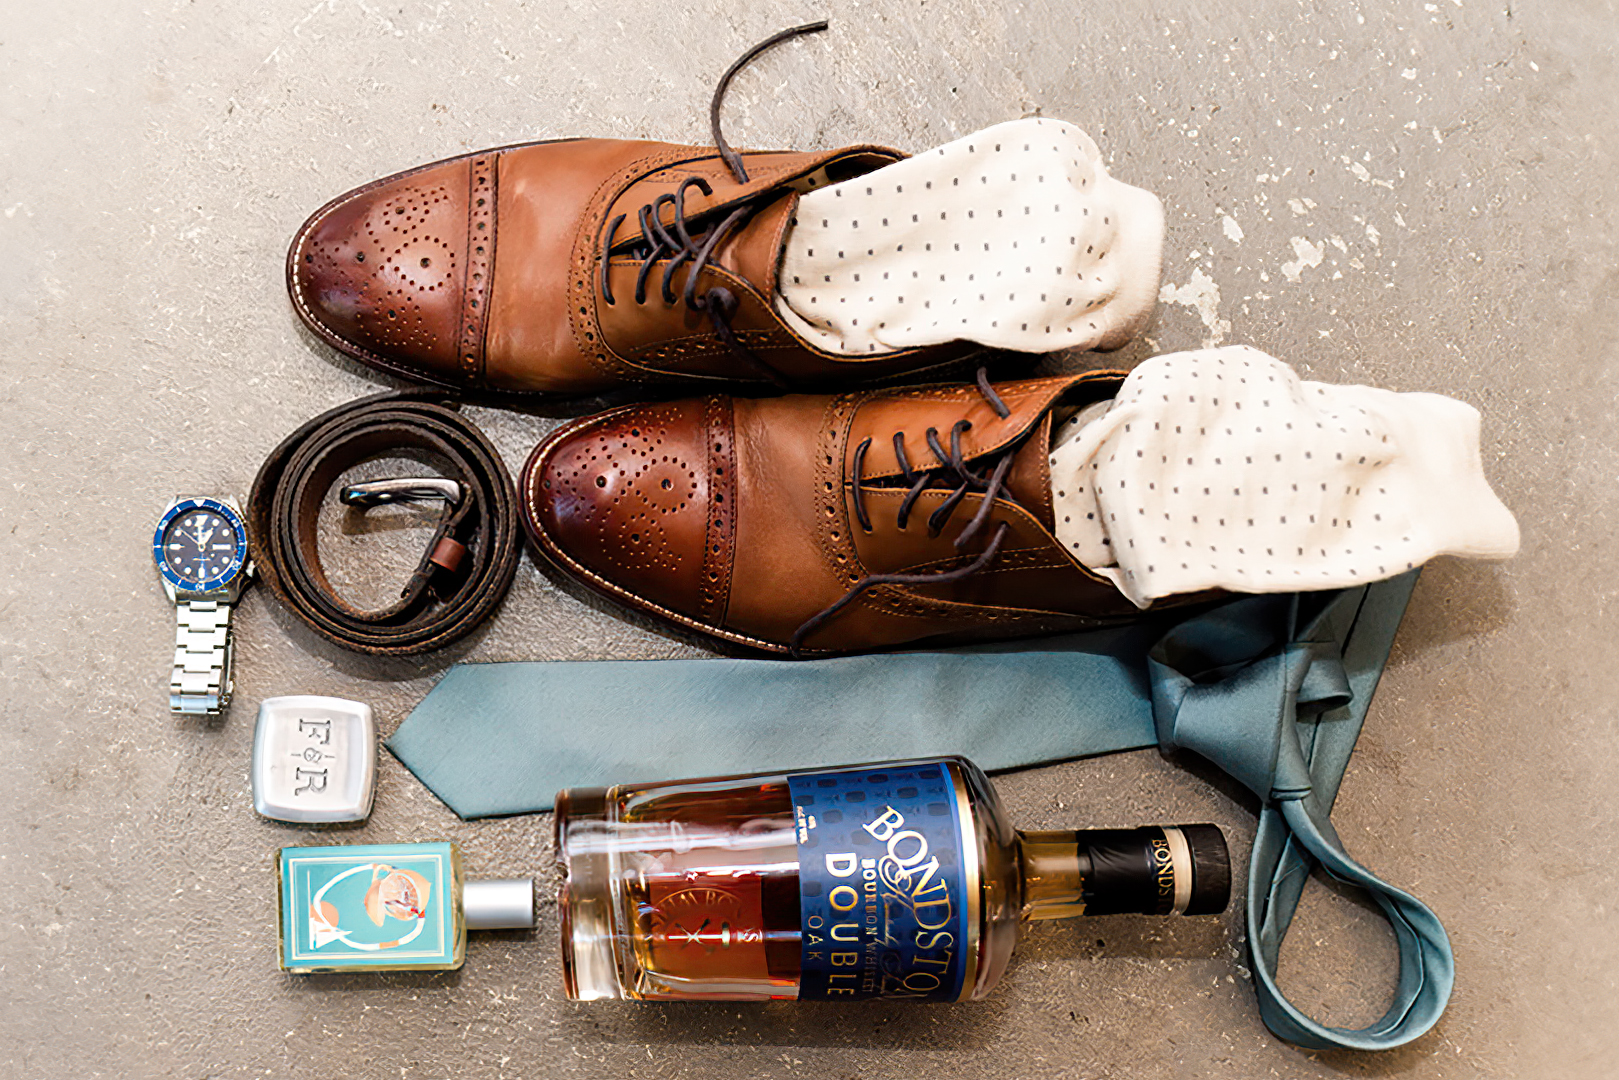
(1272, 689)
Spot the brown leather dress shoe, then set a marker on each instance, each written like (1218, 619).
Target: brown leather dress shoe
(813, 524)
(576, 266)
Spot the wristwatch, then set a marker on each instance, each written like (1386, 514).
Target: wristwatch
(200, 548)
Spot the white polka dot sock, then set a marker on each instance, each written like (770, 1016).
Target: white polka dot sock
(1220, 468)
(1015, 237)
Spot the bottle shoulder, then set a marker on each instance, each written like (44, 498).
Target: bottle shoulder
(988, 812)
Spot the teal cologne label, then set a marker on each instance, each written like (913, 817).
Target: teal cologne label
(376, 907)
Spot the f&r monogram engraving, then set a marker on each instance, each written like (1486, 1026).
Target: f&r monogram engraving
(319, 734)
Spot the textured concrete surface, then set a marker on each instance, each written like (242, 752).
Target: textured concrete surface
(1420, 196)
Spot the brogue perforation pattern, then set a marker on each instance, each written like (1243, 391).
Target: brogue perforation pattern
(622, 485)
(481, 202)
(388, 263)
(672, 352)
(832, 519)
(718, 550)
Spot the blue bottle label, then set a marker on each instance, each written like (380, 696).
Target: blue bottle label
(882, 883)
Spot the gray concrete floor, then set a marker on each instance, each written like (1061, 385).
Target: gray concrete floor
(1418, 196)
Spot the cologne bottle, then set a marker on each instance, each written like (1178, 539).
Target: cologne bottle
(900, 879)
(388, 907)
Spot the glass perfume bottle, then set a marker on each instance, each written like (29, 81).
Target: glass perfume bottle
(900, 879)
(388, 907)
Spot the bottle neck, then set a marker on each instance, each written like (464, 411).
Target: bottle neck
(1053, 874)
(1153, 870)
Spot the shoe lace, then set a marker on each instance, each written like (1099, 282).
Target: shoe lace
(676, 242)
(952, 468)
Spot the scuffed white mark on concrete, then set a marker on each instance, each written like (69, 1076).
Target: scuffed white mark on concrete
(1338, 242)
(1202, 295)
(1409, 73)
(1400, 221)
(1297, 207)
(1304, 254)
(53, 929)
(1233, 231)
(296, 30)
(386, 24)
(1373, 235)
(1364, 175)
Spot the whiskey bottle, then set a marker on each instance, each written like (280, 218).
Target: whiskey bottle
(900, 879)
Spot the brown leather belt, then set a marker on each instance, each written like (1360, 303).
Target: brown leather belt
(469, 564)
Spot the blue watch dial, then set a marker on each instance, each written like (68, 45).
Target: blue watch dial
(200, 545)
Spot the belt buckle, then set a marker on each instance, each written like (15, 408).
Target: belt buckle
(409, 489)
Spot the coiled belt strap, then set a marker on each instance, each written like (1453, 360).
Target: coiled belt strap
(469, 564)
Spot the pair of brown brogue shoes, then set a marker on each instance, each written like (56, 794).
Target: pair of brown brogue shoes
(809, 523)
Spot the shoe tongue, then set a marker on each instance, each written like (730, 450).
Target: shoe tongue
(1028, 483)
(752, 252)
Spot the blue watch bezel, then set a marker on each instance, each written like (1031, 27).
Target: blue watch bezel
(238, 558)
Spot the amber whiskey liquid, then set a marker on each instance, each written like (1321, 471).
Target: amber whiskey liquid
(901, 879)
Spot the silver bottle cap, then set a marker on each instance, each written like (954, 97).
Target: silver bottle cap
(314, 759)
(501, 904)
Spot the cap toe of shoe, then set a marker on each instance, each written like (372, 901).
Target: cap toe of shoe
(626, 502)
(379, 273)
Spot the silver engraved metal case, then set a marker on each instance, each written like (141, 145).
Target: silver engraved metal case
(200, 548)
(314, 759)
